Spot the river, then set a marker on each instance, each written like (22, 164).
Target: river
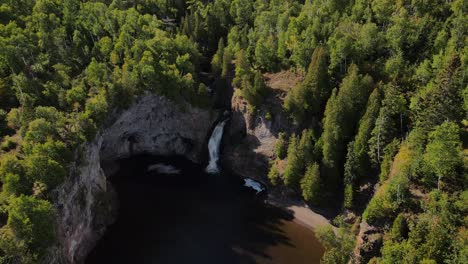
(196, 217)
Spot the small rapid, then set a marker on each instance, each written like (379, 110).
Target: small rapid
(214, 145)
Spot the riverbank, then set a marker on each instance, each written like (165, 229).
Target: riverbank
(195, 217)
(301, 212)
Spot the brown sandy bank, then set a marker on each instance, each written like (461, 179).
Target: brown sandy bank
(302, 213)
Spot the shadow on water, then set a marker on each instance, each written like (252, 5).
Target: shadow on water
(194, 217)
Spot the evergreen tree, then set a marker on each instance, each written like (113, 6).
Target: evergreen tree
(308, 98)
(342, 114)
(310, 184)
(281, 146)
(217, 61)
(443, 156)
(294, 168)
(389, 124)
(306, 145)
(254, 94)
(440, 100)
(399, 230)
(357, 164)
(226, 63)
(273, 174)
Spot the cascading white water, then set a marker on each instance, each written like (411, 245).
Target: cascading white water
(213, 146)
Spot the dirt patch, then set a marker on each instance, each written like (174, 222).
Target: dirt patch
(303, 214)
(283, 80)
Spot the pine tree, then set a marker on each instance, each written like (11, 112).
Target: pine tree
(254, 94)
(226, 62)
(390, 122)
(357, 164)
(443, 155)
(306, 145)
(217, 61)
(273, 174)
(440, 100)
(342, 114)
(310, 184)
(294, 168)
(281, 146)
(308, 98)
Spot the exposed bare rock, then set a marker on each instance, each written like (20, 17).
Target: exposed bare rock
(251, 137)
(158, 126)
(368, 243)
(86, 202)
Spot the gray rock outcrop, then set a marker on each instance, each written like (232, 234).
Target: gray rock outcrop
(86, 202)
(251, 137)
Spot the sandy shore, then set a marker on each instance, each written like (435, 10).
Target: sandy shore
(301, 212)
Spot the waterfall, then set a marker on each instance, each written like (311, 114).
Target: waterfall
(213, 146)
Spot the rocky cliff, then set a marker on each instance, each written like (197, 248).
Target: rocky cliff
(251, 137)
(86, 202)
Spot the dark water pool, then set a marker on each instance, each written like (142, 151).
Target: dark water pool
(194, 217)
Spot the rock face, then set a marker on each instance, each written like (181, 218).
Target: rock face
(368, 244)
(86, 205)
(86, 202)
(251, 138)
(156, 125)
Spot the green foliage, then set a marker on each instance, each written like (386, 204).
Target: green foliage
(389, 123)
(65, 65)
(310, 184)
(38, 132)
(357, 164)
(273, 174)
(443, 156)
(76, 63)
(430, 238)
(399, 230)
(281, 146)
(265, 53)
(294, 167)
(349, 195)
(353, 42)
(342, 114)
(300, 153)
(388, 200)
(254, 94)
(440, 100)
(31, 218)
(389, 152)
(306, 145)
(308, 98)
(242, 69)
(338, 246)
(97, 107)
(9, 163)
(13, 250)
(40, 167)
(8, 144)
(217, 61)
(227, 59)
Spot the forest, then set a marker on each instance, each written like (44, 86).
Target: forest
(383, 102)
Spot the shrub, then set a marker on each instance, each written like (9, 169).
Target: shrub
(8, 144)
(31, 220)
(273, 174)
(281, 146)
